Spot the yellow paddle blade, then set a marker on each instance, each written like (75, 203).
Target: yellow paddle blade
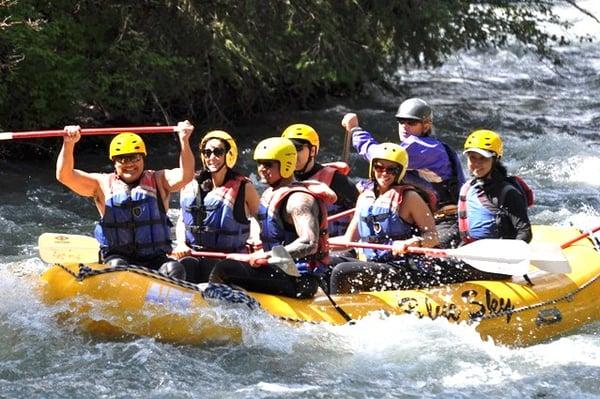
(68, 248)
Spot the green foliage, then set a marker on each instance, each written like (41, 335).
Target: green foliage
(148, 61)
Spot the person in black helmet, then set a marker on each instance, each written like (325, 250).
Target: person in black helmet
(433, 165)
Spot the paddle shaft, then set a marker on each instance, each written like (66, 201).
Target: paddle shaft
(438, 253)
(221, 255)
(340, 215)
(580, 237)
(85, 132)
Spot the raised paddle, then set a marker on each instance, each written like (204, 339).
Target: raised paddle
(85, 132)
(490, 255)
(73, 248)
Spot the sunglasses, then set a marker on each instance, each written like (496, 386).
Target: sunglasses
(266, 164)
(123, 159)
(409, 122)
(219, 152)
(392, 170)
(299, 147)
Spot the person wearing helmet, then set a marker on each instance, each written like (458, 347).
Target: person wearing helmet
(491, 204)
(215, 207)
(132, 201)
(433, 164)
(394, 212)
(306, 141)
(292, 214)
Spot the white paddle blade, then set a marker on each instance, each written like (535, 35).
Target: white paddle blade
(496, 256)
(68, 248)
(549, 257)
(281, 258)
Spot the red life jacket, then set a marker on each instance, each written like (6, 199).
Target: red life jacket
(273, 231)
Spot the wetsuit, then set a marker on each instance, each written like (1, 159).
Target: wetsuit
(493, 207)
(346, 192)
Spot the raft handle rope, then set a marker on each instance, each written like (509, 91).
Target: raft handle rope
(213, 291)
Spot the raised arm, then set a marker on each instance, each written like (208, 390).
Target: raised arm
(83, 183)
(175, 179)
(362, 141)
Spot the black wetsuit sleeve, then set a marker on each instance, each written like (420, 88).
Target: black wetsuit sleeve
(239, 207)
(515, 207)
(346, 191)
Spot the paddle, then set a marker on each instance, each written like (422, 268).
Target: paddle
(85, 132)
(580, 237)
(279, 257)
(340, 215)
(73, 248)
(68, 248)
(490, 255)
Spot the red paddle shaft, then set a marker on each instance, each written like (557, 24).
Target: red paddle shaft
(579, 237)
(85, 132)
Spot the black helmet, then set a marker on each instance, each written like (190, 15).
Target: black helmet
(414, 108)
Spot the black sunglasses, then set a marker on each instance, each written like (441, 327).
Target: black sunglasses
(393, 170)
(219, 152)
(266, 164)
(409, 122)
(123, 159)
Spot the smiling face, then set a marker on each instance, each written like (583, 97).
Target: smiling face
(268, 172)
(478, 165)
(385, 173)
(129, 167)
(213, 155)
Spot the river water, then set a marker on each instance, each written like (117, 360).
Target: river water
(549, 117)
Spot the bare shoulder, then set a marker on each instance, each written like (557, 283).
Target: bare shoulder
(300, 203)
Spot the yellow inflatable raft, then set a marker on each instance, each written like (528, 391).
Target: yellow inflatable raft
(115, 303)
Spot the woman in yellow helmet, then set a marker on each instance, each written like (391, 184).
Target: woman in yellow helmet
(492, 204)
(390, 212)
(132, 201)
(216, 207)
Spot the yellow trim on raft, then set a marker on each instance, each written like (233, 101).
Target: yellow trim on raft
(513, 313)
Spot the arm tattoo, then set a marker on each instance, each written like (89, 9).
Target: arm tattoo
(303, 211)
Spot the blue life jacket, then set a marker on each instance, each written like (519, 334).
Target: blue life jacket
(275, 231)
(379, 221)
(135, 223)
(478, 217)
(213, 225)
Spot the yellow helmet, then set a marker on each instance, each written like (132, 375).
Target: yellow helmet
(390, 152)
(126, 143)
(300, 131)
(278, 149)
(232, 152)
(484, 142)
